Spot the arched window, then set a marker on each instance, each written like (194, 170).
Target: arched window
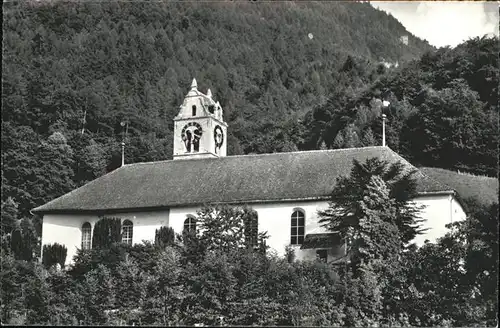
(297, 231)
(252, 229)
(190, 224)
(86, 236)
(127, 232)
(194, 110)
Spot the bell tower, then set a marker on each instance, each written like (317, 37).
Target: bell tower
(199, 129)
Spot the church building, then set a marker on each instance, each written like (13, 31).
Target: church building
(285, 189)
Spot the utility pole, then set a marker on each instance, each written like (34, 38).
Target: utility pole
(385, 104)
(383, 129)
(124, 135)
(123, 153)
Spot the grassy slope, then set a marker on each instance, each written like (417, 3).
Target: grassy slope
(483, 189)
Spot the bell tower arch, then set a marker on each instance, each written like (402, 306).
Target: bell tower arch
(199, 129)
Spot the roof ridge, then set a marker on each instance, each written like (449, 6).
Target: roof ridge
(264, 154)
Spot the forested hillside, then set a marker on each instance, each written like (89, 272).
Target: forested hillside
(105, 63)
(443, 109)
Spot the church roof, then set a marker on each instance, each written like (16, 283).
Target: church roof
(303, 175)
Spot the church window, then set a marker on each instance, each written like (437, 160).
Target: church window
(252, 230)
(190, 224)
(194, 110)
(297, 231)
(127, 232)
(86, 236)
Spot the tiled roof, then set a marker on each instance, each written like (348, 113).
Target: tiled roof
(231, 179)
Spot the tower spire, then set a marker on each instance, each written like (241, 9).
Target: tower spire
(209, 93)
(194, 85)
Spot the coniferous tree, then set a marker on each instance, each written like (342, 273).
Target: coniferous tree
(351, 138)
(106, 232)
(165, 236)
(54, 254)
(339, 142)
(346, 212)
(369, 138)
(24, 241)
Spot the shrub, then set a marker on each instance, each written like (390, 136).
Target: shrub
(289, 254)
(106, 232)
(53, 254)
(165, 236)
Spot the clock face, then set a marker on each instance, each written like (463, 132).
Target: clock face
(218, 137)
(191, 134)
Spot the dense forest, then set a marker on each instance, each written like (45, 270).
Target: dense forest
(289, 75)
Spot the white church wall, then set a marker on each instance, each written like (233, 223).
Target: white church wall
(275, 218)
(458, 211)
(145, 224)
(439, 210)
(66, 229)
(178, 215)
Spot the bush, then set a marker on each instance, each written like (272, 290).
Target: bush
(106, 232)
(165, 236)
(53, 254)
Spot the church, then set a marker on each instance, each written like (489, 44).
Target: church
(285, 189)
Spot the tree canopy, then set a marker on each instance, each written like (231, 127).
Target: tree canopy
(374, 191)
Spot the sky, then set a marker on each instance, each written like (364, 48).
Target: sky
(444, 23)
